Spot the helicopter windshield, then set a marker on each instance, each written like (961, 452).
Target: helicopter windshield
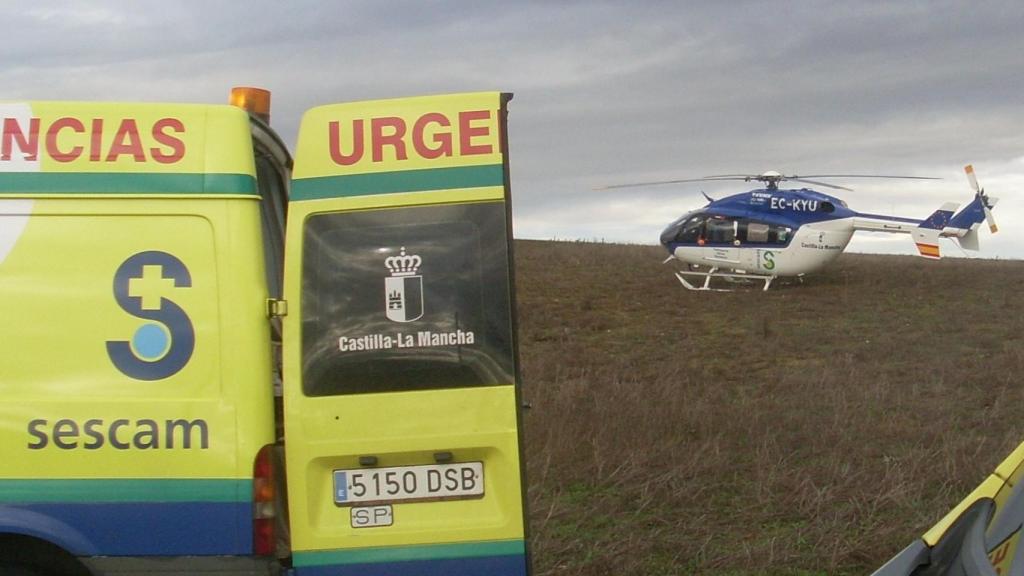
(692, 229)
(677, 230)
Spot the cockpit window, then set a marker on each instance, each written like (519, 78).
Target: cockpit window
(704, 229)
(692, 229)
(721, 230)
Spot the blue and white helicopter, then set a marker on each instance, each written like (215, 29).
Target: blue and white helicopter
(767, 233)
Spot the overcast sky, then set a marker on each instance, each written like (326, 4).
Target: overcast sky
(605, 93)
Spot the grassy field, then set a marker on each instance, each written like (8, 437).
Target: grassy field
(812, 429)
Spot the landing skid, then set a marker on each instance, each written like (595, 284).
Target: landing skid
(714, 273)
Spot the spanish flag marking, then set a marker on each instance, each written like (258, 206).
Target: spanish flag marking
(928, 250)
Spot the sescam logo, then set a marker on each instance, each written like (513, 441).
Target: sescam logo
(160, 348)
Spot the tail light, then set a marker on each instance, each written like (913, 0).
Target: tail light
(263, 509)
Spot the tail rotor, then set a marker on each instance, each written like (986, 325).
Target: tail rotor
(986, 202)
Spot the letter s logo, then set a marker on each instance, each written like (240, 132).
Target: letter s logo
(161, 348)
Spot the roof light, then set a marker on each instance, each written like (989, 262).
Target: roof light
(254, 100)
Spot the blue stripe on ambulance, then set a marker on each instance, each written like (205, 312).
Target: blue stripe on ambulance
(119, 517)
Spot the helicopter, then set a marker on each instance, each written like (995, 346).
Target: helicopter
(770, 232)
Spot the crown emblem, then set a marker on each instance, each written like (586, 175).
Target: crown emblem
(403, 265)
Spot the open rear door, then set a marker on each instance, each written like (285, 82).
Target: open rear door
(980, 536)
(402, 433)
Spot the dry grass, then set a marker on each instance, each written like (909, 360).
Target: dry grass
(813, 429)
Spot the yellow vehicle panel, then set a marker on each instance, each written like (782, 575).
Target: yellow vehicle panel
(136, 365)
(109, 148)
(399, 358)
(979, 535)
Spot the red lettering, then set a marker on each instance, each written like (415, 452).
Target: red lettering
(334, 135)
(127, 141)
(177, 147)
(96, 141)
(442, 139)
(380, 139)
(28, 145)
(431, 137)
(467, 132)
(51, 139)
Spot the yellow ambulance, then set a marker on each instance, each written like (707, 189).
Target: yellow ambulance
(217, 360)
(980, 536)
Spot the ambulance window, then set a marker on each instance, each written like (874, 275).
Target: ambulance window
(273, 203)
(406, 299)
(273, 172)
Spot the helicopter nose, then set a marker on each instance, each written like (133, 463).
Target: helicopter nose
(670, 233)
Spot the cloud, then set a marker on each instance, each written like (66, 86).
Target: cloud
(605, 92)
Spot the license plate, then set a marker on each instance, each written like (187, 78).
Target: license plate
(427, 482)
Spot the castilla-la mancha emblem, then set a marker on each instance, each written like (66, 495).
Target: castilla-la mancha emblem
(404, 288)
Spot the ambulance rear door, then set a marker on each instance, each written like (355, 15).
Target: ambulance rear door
(402, 422)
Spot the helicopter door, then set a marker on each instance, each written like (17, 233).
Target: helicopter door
(757, 257)
(721, 248)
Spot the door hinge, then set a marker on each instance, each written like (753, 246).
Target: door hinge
(277, 308)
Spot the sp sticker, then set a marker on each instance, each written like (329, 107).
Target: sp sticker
(372, 516)
(162, 345)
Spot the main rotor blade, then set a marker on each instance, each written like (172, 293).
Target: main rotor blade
(660, 182)
(794, 177)
(763, 178)
(816, 183)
